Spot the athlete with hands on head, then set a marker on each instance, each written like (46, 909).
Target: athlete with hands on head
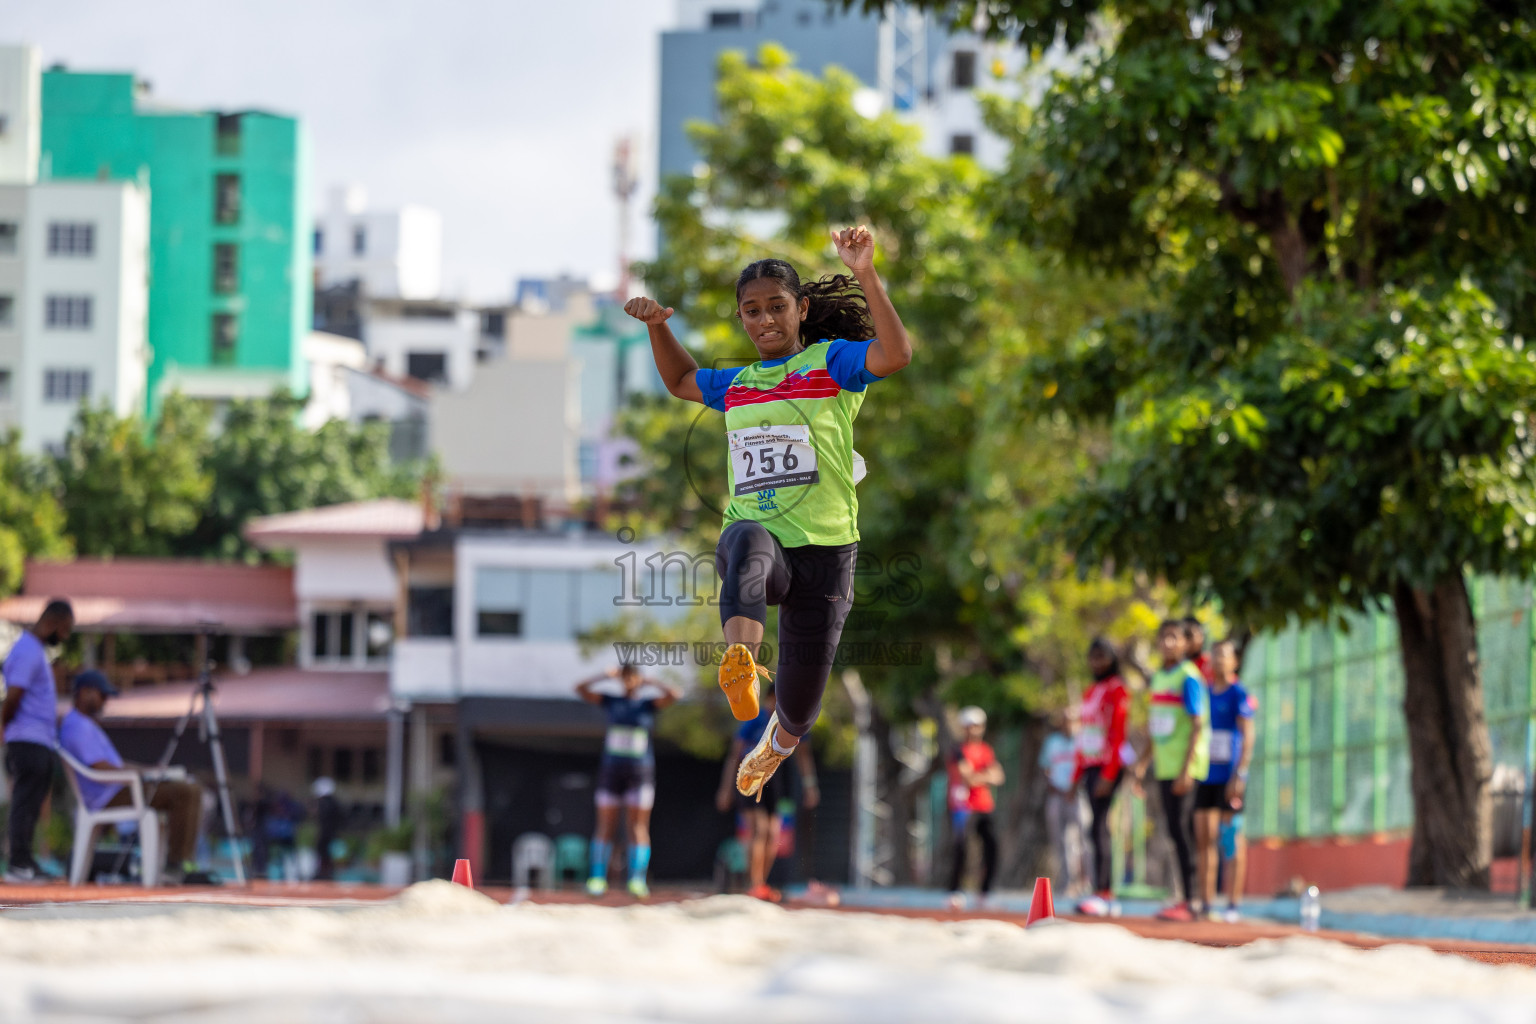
(626, 776)
(791, 528)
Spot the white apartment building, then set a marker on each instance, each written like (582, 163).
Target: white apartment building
(74, 279)
(432, 341)
(396, 254)
(959, 68)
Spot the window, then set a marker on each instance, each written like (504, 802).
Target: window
(498, 623)
(321, 641)
(72, 385)
(586, 461)
(226, 199)
(226, 333)
(359, 241)
(964, 70)
(319, 241)
(67, 312)
(333, 635)
(379, 635)
(226, 267)
(962, 145)
(5, 385)
(371, 764)
(341, 764)
(66, 238)
(7, 310)
(447, 750)
(427, 366)
(316, 763)
(429, 611)
(9, 232)
(227, 135)
(725, 19)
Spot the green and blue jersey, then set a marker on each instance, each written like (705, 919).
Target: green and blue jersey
(789, 427)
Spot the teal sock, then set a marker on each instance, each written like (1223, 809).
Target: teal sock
(639, 861)
(601, 851)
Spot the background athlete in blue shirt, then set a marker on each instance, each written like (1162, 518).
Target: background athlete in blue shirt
(627, 774)
(1219, 799)
(760, 813)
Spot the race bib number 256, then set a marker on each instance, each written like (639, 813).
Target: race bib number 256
(772, 456)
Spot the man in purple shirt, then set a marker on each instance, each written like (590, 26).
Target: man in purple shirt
(181, 800)
(31, 721)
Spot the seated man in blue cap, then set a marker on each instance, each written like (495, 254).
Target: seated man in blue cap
(84, 739)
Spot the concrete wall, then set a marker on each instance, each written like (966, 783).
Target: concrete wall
(21, 108)
(13, 214)
(514, 430)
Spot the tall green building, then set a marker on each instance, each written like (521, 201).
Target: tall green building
(230, 225)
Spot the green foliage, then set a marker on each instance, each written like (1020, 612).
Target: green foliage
(32, 525)
(954, 470)
(189, 487)
(1322, 394)
(125, 493)
(263, 460)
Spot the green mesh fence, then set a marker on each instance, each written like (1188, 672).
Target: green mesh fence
(1331, 756)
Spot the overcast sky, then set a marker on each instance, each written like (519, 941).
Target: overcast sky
(502, 114)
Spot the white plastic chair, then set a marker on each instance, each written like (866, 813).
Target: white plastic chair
(87, 821)
(533, 851)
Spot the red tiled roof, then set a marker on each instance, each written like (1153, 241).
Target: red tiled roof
(387, 518)
(159, 595)
(266, 695)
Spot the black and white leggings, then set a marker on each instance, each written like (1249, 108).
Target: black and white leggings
(813, 588)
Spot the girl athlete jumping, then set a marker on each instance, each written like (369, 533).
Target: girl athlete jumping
(791, 527)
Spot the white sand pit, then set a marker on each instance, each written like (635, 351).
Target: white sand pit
(444, 953)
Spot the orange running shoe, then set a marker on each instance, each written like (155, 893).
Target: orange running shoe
(766, 893)
(738, 678)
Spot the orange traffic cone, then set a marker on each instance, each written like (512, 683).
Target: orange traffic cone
(463, 876)
(1041, 907)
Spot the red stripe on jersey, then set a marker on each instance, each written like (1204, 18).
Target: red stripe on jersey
(811, 384)
(1168, 697)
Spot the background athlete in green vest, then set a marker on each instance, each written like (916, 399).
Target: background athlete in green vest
(792, 526)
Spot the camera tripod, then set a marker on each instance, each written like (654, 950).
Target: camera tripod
(208, 732)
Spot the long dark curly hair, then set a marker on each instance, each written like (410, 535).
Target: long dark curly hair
(837, 307)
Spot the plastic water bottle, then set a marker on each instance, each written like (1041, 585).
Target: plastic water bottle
(1311, 909)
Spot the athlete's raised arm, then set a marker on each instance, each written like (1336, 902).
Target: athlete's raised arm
(892, 349)
(584, 688)
(673, 362)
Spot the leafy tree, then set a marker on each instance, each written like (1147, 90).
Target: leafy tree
(262, 461)
(127, 493)
(31, 522)
(952, 469)
(1323, 402)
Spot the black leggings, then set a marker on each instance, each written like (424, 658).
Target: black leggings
(1179, 813)
(1103, 851)
(813, 587)
(988, 837)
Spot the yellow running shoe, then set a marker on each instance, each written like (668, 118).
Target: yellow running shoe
(738, 678)
(760, 763)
